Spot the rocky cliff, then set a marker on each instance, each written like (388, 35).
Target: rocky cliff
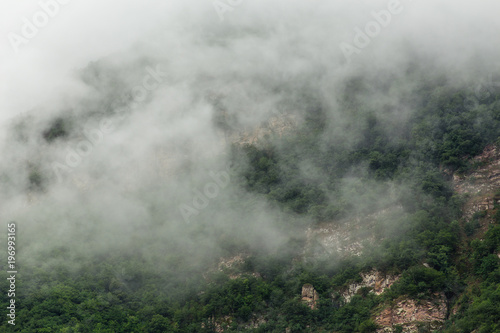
(375, 280)
(310, 296)
(408, 315)
(479, 186)
(345, 238)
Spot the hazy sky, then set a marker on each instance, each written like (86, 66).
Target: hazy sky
(259, 36)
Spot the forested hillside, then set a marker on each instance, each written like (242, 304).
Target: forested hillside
(223, 166)
(309, 178)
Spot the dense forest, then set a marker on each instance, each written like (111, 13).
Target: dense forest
(312, 174)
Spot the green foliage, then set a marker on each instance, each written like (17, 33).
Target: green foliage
(496, 216)
(471, 227)
(35, 179)
(481, 313)
(418, 282)
(485, 251)
(474, 224)
(58, 129)
(368, 326)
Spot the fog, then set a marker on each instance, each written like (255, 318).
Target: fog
(138, 87)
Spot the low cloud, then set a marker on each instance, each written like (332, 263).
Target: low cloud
(179, 85)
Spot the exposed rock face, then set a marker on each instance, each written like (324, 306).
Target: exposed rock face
(220, 325)
(331, 238)
(255, 322)
(231, 262)
(485, 178)
(345, 238)
(223, 324)
(375, 280)
(275, 126)
(411, 314)
(232, 266)
(310, 296)
(481, 183)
